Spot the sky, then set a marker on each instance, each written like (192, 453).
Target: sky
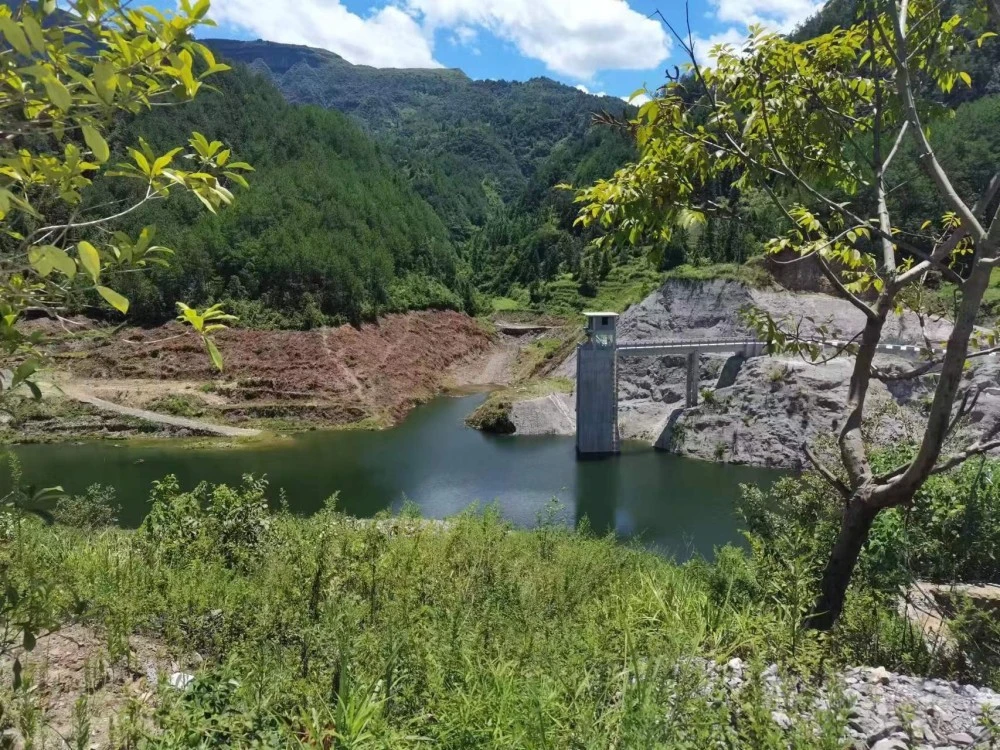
(601, 46)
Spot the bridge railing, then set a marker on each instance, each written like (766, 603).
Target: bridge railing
(689, 342)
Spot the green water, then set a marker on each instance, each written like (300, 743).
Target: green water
(676, 505)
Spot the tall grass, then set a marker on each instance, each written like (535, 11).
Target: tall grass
(329, 632)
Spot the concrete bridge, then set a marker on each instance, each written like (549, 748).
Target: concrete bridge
(597, 374)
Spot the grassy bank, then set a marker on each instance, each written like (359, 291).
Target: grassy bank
(330, 632)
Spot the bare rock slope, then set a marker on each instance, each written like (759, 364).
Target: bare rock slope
(761, 411)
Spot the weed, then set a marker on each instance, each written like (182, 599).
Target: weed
(334, 632)
(97, 508)
(179, 405)
(81, 724)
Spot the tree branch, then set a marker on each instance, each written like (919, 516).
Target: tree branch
(150, 195)
(928, 159)
(825, 472)
(946, 247)
(839, 286)
(957, 459)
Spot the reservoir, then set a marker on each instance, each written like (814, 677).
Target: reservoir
(678, 506)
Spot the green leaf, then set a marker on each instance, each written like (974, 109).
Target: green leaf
(51, 257)
(15, 35)
(141, 161)
(29, 640)
(213, 353)
(164, 161)
(96, 143)
(90, 259)
(40, 261)
(34, 31)
(24, 371)
(105, 80)
(114, 299)
(58, 93)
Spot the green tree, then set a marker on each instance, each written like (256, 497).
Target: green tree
(65, 74)
(817, 125)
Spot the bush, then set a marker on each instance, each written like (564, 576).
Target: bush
(350, 633)
(179, 405)
(950, 534)
(493, 416)
(97, 508)
(213, 521)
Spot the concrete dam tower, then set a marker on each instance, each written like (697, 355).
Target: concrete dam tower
(597, 387)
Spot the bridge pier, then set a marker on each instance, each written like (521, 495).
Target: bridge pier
(693, 378)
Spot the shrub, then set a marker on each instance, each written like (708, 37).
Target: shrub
(493, 416)
(179, 405)
(212, 521)
(97, 508)
(951, 533)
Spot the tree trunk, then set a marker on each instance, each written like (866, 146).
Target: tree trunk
(857, 522)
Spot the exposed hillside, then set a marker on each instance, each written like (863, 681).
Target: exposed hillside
(329, 231)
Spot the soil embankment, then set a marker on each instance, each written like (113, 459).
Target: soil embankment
(369, 376)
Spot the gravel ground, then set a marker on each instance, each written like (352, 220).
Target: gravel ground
(891, 711)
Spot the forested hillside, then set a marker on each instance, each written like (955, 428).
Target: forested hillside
(462, 142)
(328, 231)
(413, 188)
(485, 154)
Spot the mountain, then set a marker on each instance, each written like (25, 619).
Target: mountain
(329, 231)
(462, 142)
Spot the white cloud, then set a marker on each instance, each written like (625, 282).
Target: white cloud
(779, 15)
(465, 35)
(703, 46)
(575, 39)
(638, 100)
(584, 89)
(388, 38)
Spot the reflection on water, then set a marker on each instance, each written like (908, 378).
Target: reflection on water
(677, 505)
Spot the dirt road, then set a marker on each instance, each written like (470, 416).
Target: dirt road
(194, 425)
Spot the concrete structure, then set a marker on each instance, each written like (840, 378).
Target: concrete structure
(597, 374)
(597, 387)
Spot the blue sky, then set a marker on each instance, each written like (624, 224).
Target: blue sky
(606, 46)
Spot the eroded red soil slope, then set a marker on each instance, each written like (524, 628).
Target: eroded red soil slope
(346, 373)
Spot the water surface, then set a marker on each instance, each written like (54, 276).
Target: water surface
(674, 504)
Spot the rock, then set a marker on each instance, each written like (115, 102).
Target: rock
(961, 739)
(880, 675)
(764, 408)
(781, 719)
(890, 743)
(553, 414)
(900, 713)
(885, 732)
(180, 680)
